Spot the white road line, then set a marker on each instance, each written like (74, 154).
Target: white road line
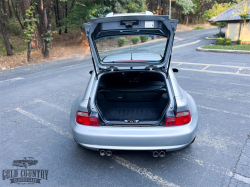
(187, 44)
(213, 81)
(51, 105)
(43, 122)
(239, 70)
(219, 96)
(143, 172)
(205, 67)
(216, 72)
(241, 178)
(11, 80)
(191, 63)
(227, 112)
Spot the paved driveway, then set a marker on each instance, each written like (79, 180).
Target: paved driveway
(34, 122)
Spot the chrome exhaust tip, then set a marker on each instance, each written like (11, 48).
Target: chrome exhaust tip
(155, 154)
(102, 153)
(109, 153)
(162, 154)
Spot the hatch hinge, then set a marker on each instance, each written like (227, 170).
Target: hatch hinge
(112, 68)
(151, 67)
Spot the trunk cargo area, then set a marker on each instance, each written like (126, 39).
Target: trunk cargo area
(133, 95)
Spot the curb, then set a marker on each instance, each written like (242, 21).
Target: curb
(207, 38)
(222, 51)
(184, 45)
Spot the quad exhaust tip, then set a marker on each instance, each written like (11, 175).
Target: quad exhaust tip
(109, 153)
(162, 154)
(155, 154)
(102, 153)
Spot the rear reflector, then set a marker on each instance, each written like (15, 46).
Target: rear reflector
(181, 118)
(83, 118)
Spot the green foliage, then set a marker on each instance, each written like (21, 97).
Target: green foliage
(129, 6)
(31, 26)
(144, 38)
(238, 42)
(220, 41)
(85, 10)
(243, 9)
(227, 41)
(135, 39)
(13, 28)
(186, 5)
(214, 11)
(220, 35)
(228, 47)
(198, 28)
(121, 41)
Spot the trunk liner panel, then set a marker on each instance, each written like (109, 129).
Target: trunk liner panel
(120, 111)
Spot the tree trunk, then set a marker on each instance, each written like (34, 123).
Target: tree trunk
(24, 5)
(48, 33)
(158, 7)
(15, 8)
(5, 36)
(9, 9)
(187, 20)
(66, 15)
(29, 50)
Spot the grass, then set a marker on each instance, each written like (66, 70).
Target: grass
(198, 28)
(228, 47)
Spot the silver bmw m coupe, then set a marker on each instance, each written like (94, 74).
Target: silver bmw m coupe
(133, 101)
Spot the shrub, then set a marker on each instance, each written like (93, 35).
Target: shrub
(135, 39)
(198, 28)
(121, 41)
(238, 42)
(14, 28)
(220, 41)
(227, 41)
(144, 38)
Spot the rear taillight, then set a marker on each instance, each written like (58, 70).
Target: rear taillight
(181, 118)
(83, 118)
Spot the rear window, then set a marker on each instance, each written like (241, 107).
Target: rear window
(144, 48)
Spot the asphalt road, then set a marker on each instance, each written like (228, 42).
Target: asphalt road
(34, 122)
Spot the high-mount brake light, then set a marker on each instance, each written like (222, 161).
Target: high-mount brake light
(181, 118)
(83, 118)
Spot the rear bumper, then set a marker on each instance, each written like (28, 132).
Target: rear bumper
(135, 138)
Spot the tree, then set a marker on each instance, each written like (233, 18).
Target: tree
(15, 6)
(214, 11)
(45, 11)
(30, 28)
(129, 6)
(83, 10)
(243, 10)
(187, 7)
(3, 30)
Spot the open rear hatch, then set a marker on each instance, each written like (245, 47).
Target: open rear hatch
(142, 55)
